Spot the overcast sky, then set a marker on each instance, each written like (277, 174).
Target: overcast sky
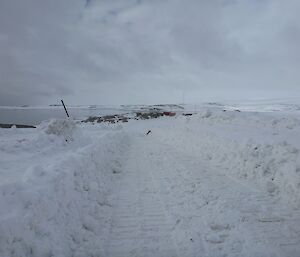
(148, 51)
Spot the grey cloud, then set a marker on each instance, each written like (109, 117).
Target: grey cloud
(133, 51)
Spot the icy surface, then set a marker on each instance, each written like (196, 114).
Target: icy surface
(218, 183)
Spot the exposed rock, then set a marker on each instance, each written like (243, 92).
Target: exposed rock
(16, 125)
(153, 113)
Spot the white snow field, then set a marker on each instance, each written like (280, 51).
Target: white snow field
(212, 184)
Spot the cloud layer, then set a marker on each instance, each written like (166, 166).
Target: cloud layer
(147, 51)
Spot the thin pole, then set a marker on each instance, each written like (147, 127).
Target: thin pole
(65, 108)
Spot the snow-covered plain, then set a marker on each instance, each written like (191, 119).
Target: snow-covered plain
(218, 183)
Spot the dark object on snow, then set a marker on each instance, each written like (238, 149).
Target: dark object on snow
(65, 108)
(148, 115)
(149, 131)
(169, 113)
(90, 119)
(17, 126)
(237, 110)
(187, 114)
(116, 171)
(108, 118)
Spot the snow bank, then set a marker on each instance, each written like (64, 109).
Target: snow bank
(252, 147)
(61, 207)
(275, 167)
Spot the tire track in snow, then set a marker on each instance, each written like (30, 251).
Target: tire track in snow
(139, 224)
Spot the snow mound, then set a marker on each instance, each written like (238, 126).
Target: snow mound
(207, 113)
(61, 127)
